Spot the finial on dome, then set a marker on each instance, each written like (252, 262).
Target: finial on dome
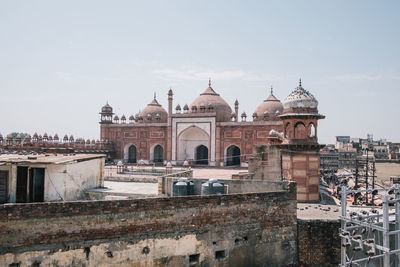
(300, 82)
(209, 82)
(155, 95)
(272, 90)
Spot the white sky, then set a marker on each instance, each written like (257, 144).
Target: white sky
(60, 61)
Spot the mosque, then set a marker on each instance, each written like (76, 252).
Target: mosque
(208, 131)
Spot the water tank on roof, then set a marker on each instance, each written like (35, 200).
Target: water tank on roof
(182, 187)
(212, 187)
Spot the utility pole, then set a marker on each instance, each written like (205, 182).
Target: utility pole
(373, 180)
(356, 185)
(366, 179)
(356, 174)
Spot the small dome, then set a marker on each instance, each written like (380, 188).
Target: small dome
(116, 118)
(186, 107)
(56, 137)
(244, 114)
(270, 107)
(300, 98)
(131, 118)
(152, 109)
(106, 108)
(209, 96)
(35, 135)
(178, 107)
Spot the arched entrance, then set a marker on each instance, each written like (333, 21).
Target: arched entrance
(132, 154)
(233, 156)
(202, 155)
(158, 154)
(188, 142)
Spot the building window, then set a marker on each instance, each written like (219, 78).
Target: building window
(194, 259)
(220, 254)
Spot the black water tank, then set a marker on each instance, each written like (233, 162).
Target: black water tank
(182, 187)
(212, 187)
(190, 188)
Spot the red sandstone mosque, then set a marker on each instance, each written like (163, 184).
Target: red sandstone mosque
(209, 132)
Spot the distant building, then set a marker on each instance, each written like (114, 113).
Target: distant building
(25, 143)
(347, 157)
(329, 158)
(48, 177)
(341, 141)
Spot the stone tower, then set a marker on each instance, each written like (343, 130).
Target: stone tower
(300, 148)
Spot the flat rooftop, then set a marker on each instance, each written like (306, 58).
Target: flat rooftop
(46, 158)
(310, 211)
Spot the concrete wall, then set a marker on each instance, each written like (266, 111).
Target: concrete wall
(231, 186)
(257, 229)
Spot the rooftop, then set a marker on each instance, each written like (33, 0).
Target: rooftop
(46, 158)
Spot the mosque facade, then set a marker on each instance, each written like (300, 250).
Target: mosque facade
(208, 131)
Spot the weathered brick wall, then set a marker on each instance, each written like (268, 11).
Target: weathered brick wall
(256, 228)
(318, 242)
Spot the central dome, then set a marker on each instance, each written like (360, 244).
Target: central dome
(270, 108)
(154, 112)
(209, 98)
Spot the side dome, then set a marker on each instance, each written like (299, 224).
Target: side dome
(270, 108)
(106, 108)
(210, 98)
(154, 112)
(300, 98)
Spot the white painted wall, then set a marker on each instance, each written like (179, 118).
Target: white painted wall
(206, 124)
(63, 181)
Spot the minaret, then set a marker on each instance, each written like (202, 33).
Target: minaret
(300, 147)
(236, 110)
(170, 98)
(169, 128)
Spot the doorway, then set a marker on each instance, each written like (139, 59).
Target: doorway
(3, 187)
(30, 185)
(201, 155)
(158, 154)
(36, 185)
(132, 154)
(233, 156)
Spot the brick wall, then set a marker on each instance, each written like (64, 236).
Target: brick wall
(234, 230)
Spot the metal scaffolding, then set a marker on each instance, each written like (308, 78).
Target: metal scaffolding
(371, 236)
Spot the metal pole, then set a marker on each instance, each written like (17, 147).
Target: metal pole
(397, 188)
(373, 180)
(366, 180)
(385, 205)
(343, 225)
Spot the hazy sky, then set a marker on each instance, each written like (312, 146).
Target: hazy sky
(60, 61)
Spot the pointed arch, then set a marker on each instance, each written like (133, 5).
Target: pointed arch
(232, 157)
